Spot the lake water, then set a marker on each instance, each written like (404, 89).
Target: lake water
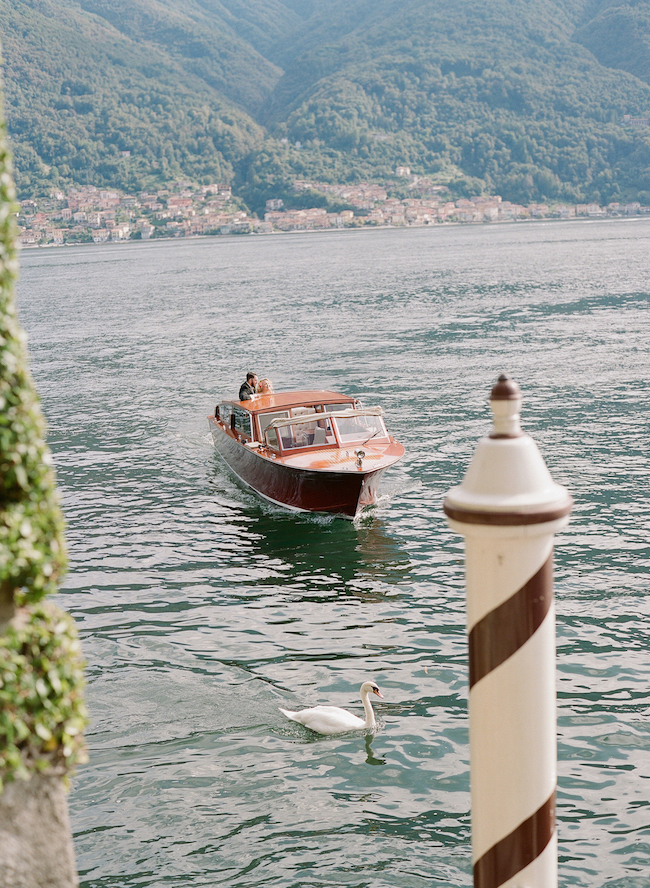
(203, 609)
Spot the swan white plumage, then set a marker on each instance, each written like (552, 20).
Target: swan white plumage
(332, 719)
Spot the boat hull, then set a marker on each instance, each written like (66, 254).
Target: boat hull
(297, 488)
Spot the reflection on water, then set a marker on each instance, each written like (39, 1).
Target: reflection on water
(203, 609)
(330, 553)
(371, 758)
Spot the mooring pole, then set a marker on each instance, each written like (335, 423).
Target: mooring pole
(508, 508)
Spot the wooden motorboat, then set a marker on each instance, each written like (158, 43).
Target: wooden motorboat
(311, 451)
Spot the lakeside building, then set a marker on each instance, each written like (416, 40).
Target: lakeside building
(86, 214)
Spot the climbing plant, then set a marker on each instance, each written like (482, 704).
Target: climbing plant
(42, 712)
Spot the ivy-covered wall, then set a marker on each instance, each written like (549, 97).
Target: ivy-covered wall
(42, 713)
(32, 547)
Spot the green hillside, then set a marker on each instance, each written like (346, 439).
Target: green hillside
(80, 93)
(495, 91)
(618, 34)
(528, 100)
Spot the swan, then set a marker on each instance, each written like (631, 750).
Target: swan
(332, 720)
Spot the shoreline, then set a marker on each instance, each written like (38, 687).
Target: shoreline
(349, 228)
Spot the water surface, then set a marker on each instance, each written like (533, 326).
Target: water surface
(203, 609)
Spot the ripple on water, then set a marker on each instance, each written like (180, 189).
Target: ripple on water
(202, 609)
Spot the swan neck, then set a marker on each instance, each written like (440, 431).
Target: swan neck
(367, 705)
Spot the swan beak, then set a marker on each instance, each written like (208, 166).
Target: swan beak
(378, 692)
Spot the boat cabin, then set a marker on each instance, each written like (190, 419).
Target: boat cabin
(285, 423)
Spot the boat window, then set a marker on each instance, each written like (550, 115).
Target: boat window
(328, 408)
(310, 433)
(359, 428)
(224, 413)
(265, 419)
(272, 438)
(242, 421)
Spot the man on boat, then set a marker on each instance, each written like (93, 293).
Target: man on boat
(248, 388)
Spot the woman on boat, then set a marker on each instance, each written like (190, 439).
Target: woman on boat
(264, 387)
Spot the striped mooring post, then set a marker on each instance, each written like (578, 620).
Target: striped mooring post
(508, 508)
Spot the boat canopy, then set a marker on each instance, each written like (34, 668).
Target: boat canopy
(316, 417)
(286, 400)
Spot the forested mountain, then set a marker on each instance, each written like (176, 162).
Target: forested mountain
(618, 34)
(531, 99)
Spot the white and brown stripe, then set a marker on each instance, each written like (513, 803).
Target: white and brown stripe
(508, 508)
(511, 769)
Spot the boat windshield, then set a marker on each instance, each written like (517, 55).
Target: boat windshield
(359, 428)
(313, 432)
(265, 419)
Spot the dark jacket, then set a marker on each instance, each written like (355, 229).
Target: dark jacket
(246, 391)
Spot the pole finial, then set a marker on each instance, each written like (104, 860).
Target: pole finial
(505, 403)
(507, 482)
(506, 389)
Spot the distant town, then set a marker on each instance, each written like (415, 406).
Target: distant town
(87, 214)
